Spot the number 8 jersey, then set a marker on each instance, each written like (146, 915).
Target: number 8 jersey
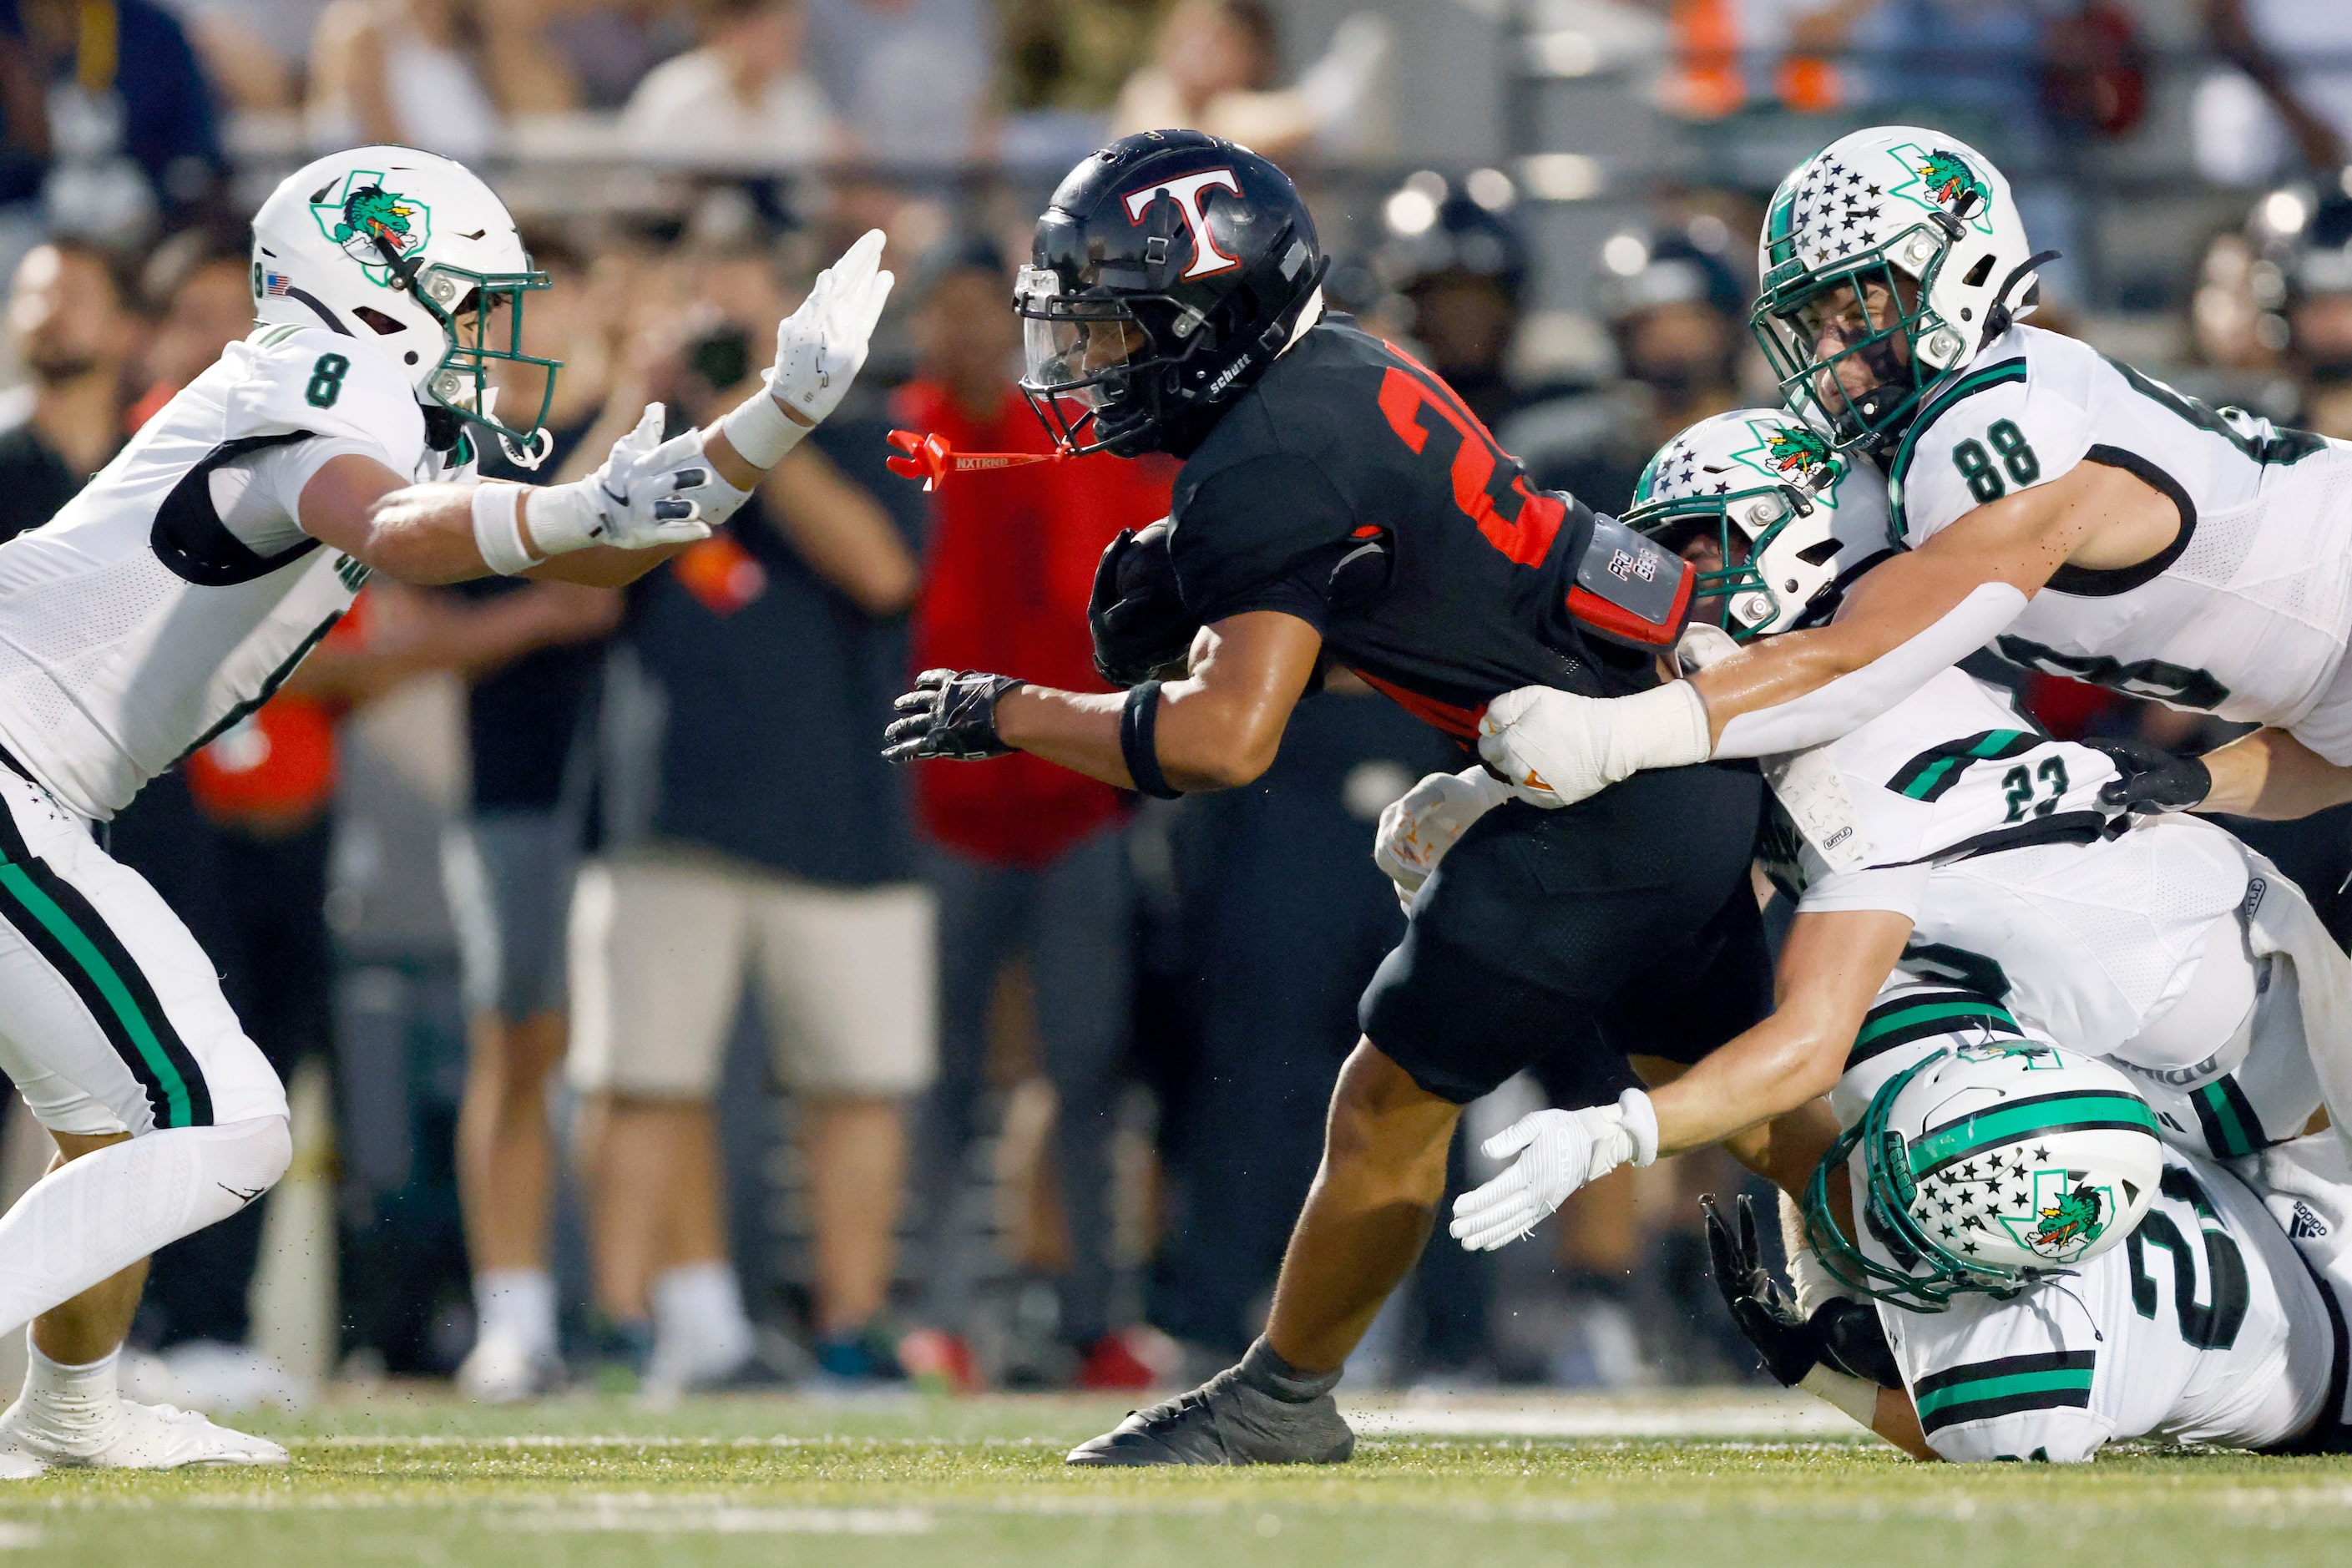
(176, 593)
(2244, 614)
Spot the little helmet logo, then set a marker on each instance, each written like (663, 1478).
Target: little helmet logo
(357, 213)
(1185, 192)
(1942, 179)
(1950, 181)
(1802, 453)
(2069, 1223)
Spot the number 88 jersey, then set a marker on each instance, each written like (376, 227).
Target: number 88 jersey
(2244, 614)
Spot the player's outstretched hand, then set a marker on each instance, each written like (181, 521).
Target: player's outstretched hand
(2152, 780)
(1559, 1152)
(1418, 827)
(950, 714)
(1554, 748)
(637, 500)
(820, 347)
(1765, 1313)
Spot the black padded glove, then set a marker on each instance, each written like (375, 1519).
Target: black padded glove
(1849, 1337)
(1766, 1313)
(1137, 618)
(2154, 780)
(950, 714)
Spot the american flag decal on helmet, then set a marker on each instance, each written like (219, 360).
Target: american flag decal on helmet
(275, 285)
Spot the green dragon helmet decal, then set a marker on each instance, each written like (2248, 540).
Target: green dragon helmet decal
(2071, 1223)
(1982, 1170)
(1767, 491)
(1888, 259)
(1804, 454)
(362, 217)
(1951, 183)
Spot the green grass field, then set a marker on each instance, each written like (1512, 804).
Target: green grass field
(414, 1478)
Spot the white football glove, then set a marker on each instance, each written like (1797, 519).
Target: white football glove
(1559, 1152)
(820, 348)
(1554, 748)
(1418, 827)
(637, 501)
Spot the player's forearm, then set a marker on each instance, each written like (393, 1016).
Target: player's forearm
(1204, 740)
(1897, 1421)
(1766, 1073)
(1810, 688)
(422, 535)
(2273, 777)
(1075, 729)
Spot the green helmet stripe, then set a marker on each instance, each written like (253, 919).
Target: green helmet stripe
(2022, 1118)
(1924, 1018)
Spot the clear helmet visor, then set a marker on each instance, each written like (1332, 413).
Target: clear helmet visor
(1070, 347)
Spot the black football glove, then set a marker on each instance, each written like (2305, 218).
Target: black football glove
(1137, 618)
(949, 714)
(1766, 1313)
(2153, 780)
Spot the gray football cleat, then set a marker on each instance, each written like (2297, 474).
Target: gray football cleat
(1261, 1412)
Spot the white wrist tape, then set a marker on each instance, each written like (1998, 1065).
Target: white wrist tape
(562, 518)
(760, 430)
(497, 530)
(1641, 1125)
(1811, 1279)
(1845, 704)
(1858, 1397)
(1665, 727)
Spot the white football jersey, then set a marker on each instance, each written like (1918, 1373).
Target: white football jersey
(2203, 1327)
(2246, 615)
(1984, 832)
(176, 593)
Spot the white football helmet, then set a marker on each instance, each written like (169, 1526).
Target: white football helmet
(1891, 200)
(1774, 494)
(1988, 1166)
(410, 254)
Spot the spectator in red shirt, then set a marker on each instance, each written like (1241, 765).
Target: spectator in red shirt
(1027, 860)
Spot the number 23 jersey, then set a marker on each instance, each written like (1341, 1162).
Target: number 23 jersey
(1351, 487)
(2244, 614)
(176, 593)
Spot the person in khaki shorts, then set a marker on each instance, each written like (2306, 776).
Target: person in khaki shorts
(663, 941)
(751, 832)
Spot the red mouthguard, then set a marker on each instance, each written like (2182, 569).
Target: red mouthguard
(931, 460)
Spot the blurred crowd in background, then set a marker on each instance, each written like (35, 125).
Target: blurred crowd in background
(984, 1075)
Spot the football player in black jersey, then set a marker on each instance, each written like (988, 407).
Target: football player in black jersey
(1339, 506)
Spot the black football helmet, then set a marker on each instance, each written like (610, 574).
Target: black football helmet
(1169, 268)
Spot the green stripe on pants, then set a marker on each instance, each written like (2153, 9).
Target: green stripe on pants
(109, 986)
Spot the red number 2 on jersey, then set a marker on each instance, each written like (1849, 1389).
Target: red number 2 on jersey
(1525, 535)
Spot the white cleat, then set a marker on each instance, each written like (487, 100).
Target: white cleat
(133, 1437)
(18, 1466)
(502, 1370)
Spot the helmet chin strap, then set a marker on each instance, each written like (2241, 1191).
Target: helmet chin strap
(530, 453)
(2000, 317)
